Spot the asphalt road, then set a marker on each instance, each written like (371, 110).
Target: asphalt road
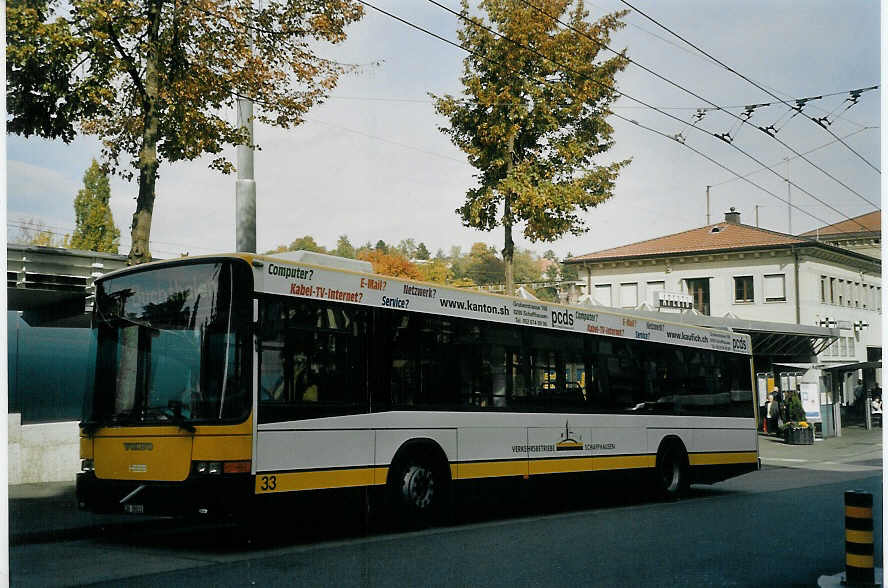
(777, 527)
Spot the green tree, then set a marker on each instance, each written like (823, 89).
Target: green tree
(533, 142)
(422, 252)
(381, 246)
(482, 266)
(94, 224)
(435, 271)
(569, 271)
(344, 248)
(153, 78)
(407, 248)
(526, 266)
(306, 243)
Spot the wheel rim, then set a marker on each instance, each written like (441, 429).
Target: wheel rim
(418, 486)
(670, 472)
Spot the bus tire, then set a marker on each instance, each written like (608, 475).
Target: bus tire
(673, 475)
(419, 488)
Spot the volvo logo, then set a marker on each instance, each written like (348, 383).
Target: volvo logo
(138, 446)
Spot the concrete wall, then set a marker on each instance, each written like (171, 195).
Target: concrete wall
(46, 452)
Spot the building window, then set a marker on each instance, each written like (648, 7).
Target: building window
(832, 290)
(629, 295)
(775, 288)
(699, 289)
(603, 294)
(823, 284)
(743, 289)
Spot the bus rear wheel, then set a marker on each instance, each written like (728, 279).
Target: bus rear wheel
(672, 470)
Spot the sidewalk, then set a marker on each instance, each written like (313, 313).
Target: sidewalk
(42, 513)
(856, 450)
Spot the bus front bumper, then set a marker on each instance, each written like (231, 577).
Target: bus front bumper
(204, 496)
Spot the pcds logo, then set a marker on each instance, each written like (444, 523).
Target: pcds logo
(562, 319)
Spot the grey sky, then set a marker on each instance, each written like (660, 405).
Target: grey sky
(371, 163)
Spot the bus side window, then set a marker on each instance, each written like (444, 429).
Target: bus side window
(313, 360)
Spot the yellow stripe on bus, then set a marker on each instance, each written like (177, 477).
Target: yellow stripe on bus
(490, 469)
(700, 459)
(589, 464)
(376, 476)
(270, 482)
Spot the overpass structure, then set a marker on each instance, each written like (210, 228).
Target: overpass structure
(53, 287)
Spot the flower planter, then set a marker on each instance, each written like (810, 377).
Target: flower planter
(799, 436)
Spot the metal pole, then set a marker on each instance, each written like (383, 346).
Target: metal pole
(245, 187)
(245, 190)
(756, 216)
(788, 196)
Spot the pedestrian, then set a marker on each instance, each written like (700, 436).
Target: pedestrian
(773, 414)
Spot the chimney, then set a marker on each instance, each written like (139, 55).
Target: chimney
(732, 217)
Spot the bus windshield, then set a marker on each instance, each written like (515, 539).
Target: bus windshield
(173, 345)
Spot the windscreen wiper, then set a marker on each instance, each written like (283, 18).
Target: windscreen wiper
(174, 414)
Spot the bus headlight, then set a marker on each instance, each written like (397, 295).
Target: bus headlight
(87, 465)
(208, 467)
(221, 467)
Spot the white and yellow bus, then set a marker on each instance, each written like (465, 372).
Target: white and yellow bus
(223, 381)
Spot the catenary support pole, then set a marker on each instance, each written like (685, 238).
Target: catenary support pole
(245, 191)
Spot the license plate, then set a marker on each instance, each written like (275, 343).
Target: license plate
(134, 508)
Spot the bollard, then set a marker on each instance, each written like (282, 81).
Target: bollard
(859, 538)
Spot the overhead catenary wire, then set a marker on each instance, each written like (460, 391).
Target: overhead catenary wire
(598, 83)
(728, 137)
(818, 148)
(754, 83)
(397, 99)
(544, 81)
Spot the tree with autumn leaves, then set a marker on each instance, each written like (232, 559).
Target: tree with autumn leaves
(154, 78)
(532, 119)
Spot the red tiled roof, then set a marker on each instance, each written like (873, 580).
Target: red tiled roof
(718, 237)
(871, 221)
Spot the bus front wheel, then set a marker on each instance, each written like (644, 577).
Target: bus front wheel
(672, 470)
(418, 490)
